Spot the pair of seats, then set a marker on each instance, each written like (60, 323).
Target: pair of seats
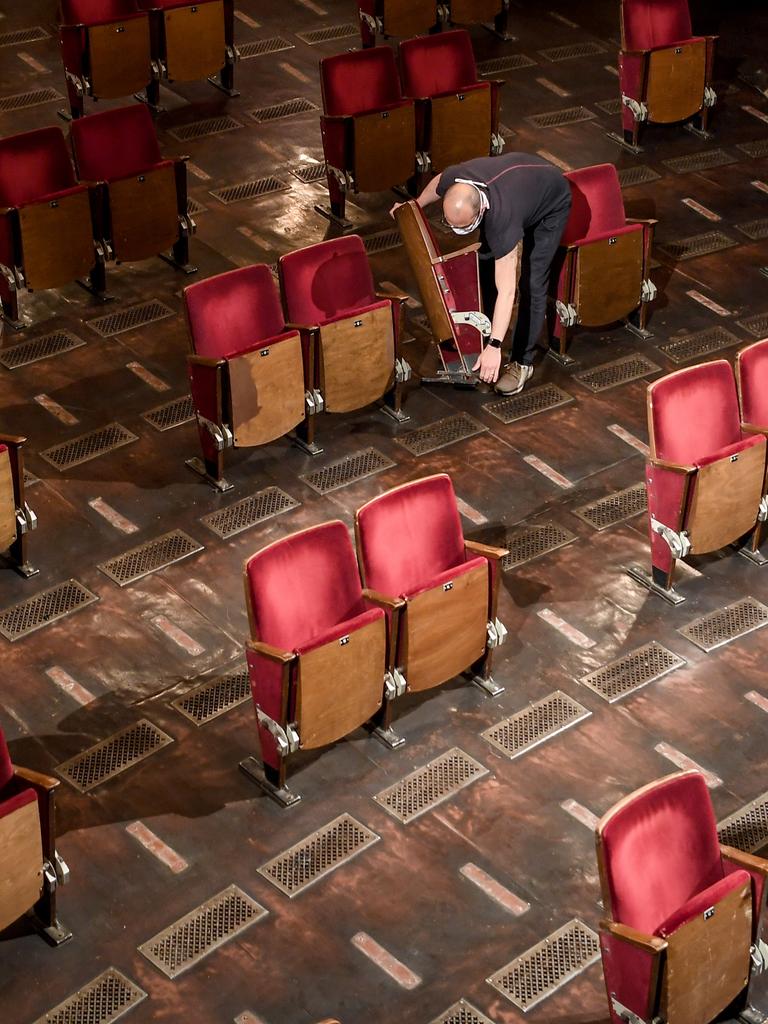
(406, 18)
(328, 653)
(379, 128)
(124, 203)
(115, 48)
(681, 939)
(706, 475)
(259, 369)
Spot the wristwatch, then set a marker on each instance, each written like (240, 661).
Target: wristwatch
(494, 343)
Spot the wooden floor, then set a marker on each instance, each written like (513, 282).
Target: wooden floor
(465, 888)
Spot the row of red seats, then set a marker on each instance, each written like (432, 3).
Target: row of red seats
(404, 18)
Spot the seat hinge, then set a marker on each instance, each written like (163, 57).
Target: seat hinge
(188, 226)
(423, 161)
(287, 739)
(759, 955)
(624, 1013)
(402, 370)
(474, 318)
(497, 144)
(639, 109)
(566, 314)
(50, 878)
(678, 543)
(61, 868)
(9, 277)
(342, 177)
(648, 290)
(374, 24)
(710, 96)
(221, 434)
(21, 281)
(497, 633)
(26, 519)
(443, 13)
(81, 85)
(395, 684)
(762, 509)
(314, 402)
(232, 54)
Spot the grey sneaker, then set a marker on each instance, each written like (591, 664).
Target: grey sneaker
(513, 378)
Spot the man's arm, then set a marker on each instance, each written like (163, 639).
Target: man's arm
(428, 196)
(489, 361)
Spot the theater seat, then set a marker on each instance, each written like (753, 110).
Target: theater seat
(457, 116)
(30, 868)
(478, 12)
(48, 236)
(368, 126)
(665, 72)
(317, 653)
(16, 517)
(191, 41)
(438, 589)
(145, 199)
(605, 260)
(402, 18)
(106, 50)
(706, 476)
(350, 331)
(680, 940)
(752, 385)
(246, 369)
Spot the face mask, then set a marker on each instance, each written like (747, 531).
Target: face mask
(484, 205)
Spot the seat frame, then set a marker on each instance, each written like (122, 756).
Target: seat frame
(494, 16)
(224, 80)
(26, 520)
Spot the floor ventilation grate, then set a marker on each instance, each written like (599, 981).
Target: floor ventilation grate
(693, 346)
(309, 173)
(214, 697)
(101, 1001)
(23, 618)
(558, 53)
(170, 414)
(538, 722)
(632, 671)
(699, 161)
(725, 624)
(619, 371)
(530, 402)
(755, 229)
(21, 100)
(243, 514)
(35, 349)
(346, 471)
(697, 245)
(261, 47)
(249, 190)
(204, 929)
(498, 64)
(298, 105)
(755, 149)
(88, 446)
(440, 434)
(23, 35)
(747, 829)
(195, 207)
(208, 126)
(311, 859)
(556, 118)
(757, 325)
(113, 755)
(381, 241)
(532, 541)
(614, 508)
(640, 175)
(127, 319)
(612, 106)
(329, 34)
(547, 966)
(425, 788)
(150, 557)
(462, 1013)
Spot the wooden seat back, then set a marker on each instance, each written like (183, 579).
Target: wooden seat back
(56, 240)
(7, 501)
(468, 12)
(384, 148)
(21, 862)
(407, 18)
(725, 500)
(144, 214)
(119, 57)
(608, 278)
(460, 127)
(194, 40)
(356, 359)
(266, 392)
(676, 79)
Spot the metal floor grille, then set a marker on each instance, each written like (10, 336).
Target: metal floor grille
(260, 47)
(614, 508)
(309, 860)
(558, 53)
(150, 557)
(640, 175)
(101, 1001)
(309, 173)
(348, 470)
(720, 627)
(194, 207)
(755, 149)
(747, 828)
(632, 671)
(23, 35)
(298, 105)
(425, 788)
(548, 965)
(249, 190)
(381, 241)
(23, 618)
(440, 434)
(208, 126)
(612, 106)
(113, 755)
(533, 540)
(214, 697)
(127, 319)
(697, 245)
(556, 118)
(35, 349)
(618, 371)
(757, 325)
(540, 721)
(498, 64)
(21, 100)
(243, 514)
(170, 414)
(330, 34)
(194, 936)
(528, 403)
(462, 1013)
(755, 229)
(699, 161)
(693, 346)
(88, 446)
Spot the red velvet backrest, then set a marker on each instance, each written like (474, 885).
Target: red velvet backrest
(232, 311)
(115, 144)
(660, 847)
(364, 80)
(6, 768)
(409, 535)
(693, 412)
(649, 23)
(597, 205)
(302, 585)
(96, 12)
(326, 280)
(430, 65)
(752, 368)
(33, 165)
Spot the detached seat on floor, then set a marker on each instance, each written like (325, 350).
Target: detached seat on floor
(606, 258)
(317, 653)
(439, 590)
(30, 868)
(665, 72)
(401, 18)
(192, 41)
(16, 517)
(246, 369)
(681, 938)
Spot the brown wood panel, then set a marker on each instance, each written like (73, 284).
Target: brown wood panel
(445, 630)
(357, 359)
(421, 252)
(194, 41)
(468, 11)
(460, 127)
(341, 685)
(7, 502)
(384, 147)
(21, 860)
(266, 392)
(609, 278)
(676, 82)
(57, 240)
(725, 499)
(406, 18)
(144, 214)
(119, 55)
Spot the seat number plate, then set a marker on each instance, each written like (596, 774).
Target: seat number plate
(264, 352)
(734, 458)
(344, 640)
(448, 585)
(709, 913)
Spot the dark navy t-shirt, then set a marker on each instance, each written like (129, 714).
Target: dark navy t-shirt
(521, 188)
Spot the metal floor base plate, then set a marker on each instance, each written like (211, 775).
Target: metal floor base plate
(646, 580)
(425, 788)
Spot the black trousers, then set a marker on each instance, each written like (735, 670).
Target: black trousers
(540, 245)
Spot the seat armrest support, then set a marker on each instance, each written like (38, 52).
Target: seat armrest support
(494, 553)
(649, 943)
(270, 652)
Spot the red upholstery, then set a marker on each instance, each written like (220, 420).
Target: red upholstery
(115, 144)
(651, 23)
(33, 166)
(701, 902)
(165, 5)
(432, 65)
(6, 768)
(96, 12)
(360, 81)
(327, 281)
(752, 369)
(597, 206)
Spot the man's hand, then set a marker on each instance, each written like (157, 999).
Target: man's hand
(395, 207)
(489, 364)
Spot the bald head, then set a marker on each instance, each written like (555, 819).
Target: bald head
(461, 205)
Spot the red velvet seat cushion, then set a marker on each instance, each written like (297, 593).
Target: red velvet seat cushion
(166, 5)
(597, 206)
(437, 64)
(445, 576)
(628, 229)
(652, 23)
(115, 144)
(752, 367)
(34, 165)
(327, 280)
(702, 901)
(731, 449)
(360, 82)
(340, 629)
(97, 12)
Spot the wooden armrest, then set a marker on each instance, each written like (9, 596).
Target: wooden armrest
(752, 428)
(383, 599)
(270, 652)
(650, 943)
(649, 221)
(674, 467)
(36, 779)
(13, 439)
(339, 118)
(745, 860)
(486, 549)
(635, 53)
(5, 210)
(301, 327)
(205, 361)
(392, 292)
(458, 252)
